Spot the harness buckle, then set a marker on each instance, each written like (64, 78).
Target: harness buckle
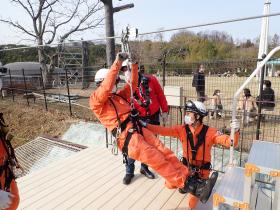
(114, 149)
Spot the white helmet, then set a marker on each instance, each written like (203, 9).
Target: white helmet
(100, 75)
(196, 107)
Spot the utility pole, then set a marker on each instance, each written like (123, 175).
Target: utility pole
(109, 26)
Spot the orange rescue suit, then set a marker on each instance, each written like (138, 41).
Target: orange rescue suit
(13, 187)
(213, 136)
(145, 148)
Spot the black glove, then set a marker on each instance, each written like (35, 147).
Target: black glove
(121, 56)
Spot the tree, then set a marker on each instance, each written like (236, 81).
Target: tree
(55, 20)
(275, 40)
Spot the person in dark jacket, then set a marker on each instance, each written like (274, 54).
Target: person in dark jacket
(199, 83)
(268, 97)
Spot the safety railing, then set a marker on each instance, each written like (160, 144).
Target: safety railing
(236, 95)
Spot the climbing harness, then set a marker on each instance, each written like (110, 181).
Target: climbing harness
(197, 186)
(134, 114)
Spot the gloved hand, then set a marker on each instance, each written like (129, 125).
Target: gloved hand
(164, 117)
(5, 199)
(121, 56)
(143, 123)
(133, 58)
(235, 124)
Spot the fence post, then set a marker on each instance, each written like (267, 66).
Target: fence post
(44, 91)
(107, 140)
(25, 86)
(68, 92)
(11, 85)
(163, 68)
(260, 101)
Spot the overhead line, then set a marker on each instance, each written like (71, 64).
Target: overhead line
(155, 32)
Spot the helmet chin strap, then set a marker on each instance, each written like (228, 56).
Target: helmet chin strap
(196, 121)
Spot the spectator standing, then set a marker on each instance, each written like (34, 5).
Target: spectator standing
(247, 103)
(216, 105)
(199, 83)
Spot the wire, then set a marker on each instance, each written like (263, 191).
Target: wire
(154, 32)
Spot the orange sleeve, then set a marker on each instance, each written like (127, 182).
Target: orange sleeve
(102, 93)
(165, 131)
(125, 91)
(224, 140)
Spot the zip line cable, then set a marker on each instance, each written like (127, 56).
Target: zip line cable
(153, 32)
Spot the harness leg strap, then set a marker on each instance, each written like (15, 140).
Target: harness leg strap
(125, 146)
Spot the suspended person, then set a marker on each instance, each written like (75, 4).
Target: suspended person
(199, 83)
(150, 102)
(197, 140)
(216, 105)
(112, 109)
(9, 196)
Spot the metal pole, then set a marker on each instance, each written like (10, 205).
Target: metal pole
(44, 92)
(107, 141)
(164, 68)
(260, 103)
(68, 92)
(25, 86)
(109, 25)
(85, 69)
(11, 85)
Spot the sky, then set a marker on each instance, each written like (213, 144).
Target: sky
(152, 15)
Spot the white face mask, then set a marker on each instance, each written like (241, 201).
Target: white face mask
(127, 75)
(114, 89)
(188, 120)
(264, 86)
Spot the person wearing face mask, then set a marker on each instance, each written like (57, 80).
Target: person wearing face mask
(150, 102)
(199, 83)
(197, 140)
(247, 104)
(216, 105)
(114, 111)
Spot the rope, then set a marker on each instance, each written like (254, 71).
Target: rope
(155, 32)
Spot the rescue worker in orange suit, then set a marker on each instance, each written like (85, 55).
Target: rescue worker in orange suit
(149, 99)
(197, 140)
(115, 113)
(9, 196)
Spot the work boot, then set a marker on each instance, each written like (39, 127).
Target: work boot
(182, 191)
(127, 179)
(207, 189)
(146, 172)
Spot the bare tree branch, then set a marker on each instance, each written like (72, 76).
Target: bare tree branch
(17, 25)
(24, 7)
(31, 8)
(83, 20)
(40, 9)
(63, 23)
(45, 22)
(50, 4)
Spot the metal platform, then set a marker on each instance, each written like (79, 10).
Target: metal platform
(231, 186)
(238, 187)
(265, 155)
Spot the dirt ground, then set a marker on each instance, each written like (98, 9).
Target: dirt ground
(26, 123)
